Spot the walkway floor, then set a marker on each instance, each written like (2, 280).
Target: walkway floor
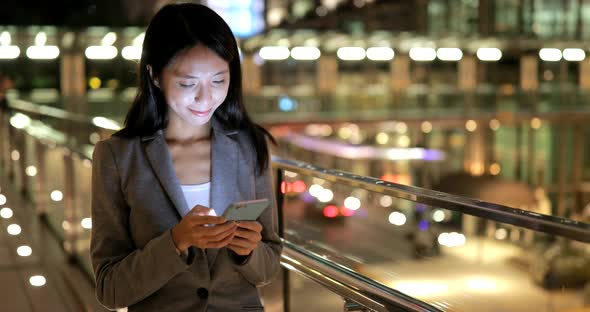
(66, 288)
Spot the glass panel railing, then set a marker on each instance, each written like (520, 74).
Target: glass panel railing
(82, 221)
(335, 285)
(55, 168)
(411, 248)
(454, 253)
(78, 129)
(301, 103)
(53, 171)
(62, 196)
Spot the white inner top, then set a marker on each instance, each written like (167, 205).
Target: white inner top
(197, 194)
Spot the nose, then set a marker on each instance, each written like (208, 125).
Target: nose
(203, 94)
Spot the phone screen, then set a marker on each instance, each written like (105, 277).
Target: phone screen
(246, 210)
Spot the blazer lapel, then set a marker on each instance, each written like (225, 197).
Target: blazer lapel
(161, 162)
(224, 177)
(224, 172)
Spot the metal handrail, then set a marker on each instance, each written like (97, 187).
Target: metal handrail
(549, 224)
(44, 110)
(376, 296)
(348, 283)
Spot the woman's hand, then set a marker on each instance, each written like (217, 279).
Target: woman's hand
(246, 237)
(196, 229)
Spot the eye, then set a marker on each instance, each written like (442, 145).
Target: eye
(186, 85)
(219, 82)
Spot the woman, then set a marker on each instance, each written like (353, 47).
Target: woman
(187, 151)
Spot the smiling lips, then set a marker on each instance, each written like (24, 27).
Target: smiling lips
(200, 113)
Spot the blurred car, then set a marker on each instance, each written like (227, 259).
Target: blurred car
(561, 265)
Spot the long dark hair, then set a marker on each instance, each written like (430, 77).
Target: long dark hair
(175, 28)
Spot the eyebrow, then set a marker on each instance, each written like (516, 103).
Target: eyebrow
(191, 76)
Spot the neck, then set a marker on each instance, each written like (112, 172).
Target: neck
(180, 132)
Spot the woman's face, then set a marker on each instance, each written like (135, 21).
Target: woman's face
(195, 84)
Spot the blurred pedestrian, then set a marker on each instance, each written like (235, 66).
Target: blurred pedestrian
(5, 85)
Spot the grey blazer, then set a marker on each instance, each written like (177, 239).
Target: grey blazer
(136, 199)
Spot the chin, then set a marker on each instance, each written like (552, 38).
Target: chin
(201, 121)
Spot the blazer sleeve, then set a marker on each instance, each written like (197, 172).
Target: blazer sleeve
(124, 274)
(264, 262)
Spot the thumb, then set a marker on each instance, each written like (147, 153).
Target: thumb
(200, 210)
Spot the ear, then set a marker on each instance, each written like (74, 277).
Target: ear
(151, 72)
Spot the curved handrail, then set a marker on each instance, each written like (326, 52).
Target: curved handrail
(549, 224)
(49, 111)
(374, 295)
(347, 283)
(57, 113)
(545, 223)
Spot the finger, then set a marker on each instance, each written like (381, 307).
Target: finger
(221, 235)
(248, 234)
(220, 244)
(201, 220)
(215, 230)
(201, 210)
(251, 225)
(243, 243)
